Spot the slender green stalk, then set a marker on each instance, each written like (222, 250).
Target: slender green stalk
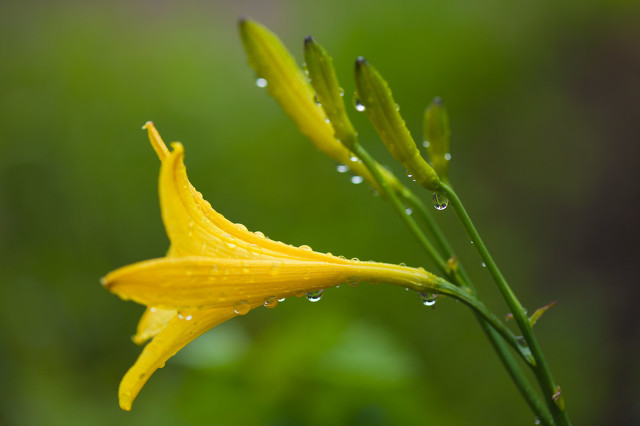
(514, 370)
(522, 382)
(541, 368)
(494, 336)
(447, 288)
(370, 164)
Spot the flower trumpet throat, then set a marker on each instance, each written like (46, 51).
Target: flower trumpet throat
(215, 270)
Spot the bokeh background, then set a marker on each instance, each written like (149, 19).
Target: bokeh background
(543, 98)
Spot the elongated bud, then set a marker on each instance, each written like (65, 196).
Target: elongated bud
(328, 91)
(382, 110)
(288, 85)
(436, 137)
(285, 82)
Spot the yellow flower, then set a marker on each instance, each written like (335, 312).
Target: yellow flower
(216, 269)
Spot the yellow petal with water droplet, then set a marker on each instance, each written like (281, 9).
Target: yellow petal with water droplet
(197, 282)
(152, 322)
(176, 334)
(196, 229)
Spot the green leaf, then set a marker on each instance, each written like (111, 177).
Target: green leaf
(375, 96)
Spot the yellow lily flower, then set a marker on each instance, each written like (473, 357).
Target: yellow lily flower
(216, 270)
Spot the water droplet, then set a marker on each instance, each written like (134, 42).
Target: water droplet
(326, 120)
(447, 156)
(353, 281)
(537, 421)
(261, 82)
(258, 234)
(426, 144)
(440, 202)
(353, 159)
(355, 259)
(484, 265)
(270, 302)
(341, 168)
(408, 211)
(357, 103)
(316, 100)
(275, 267)
(242, 307)
(428, 299)
(341, 91)
(281, 300)
(357, 179)
(397, 107)
(305, 248)
(314, 296)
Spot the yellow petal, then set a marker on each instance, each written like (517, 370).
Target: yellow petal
(156, 141)
(152, 322)
(195, 229)
(177, 333)
(198, 282)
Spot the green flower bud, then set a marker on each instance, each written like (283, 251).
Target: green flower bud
(375, 96)
(436, 137)
(328, 91)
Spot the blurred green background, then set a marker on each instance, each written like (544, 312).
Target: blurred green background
(543, 98)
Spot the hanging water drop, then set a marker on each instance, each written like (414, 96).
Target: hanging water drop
(242, 307)
(426, 144)
(314, 296)
(326, 120)
(341, 168)
(341, 91)
(357, 103)
(316, 100)
(447, 156)
(428, 299)
(440, 202)
(357, 179)
(408, 211)
(353, 281)
(484, 265)
(271, 302)
(261, 82)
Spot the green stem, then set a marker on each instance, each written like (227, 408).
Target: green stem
(521, 381)
(449, 289)
(461, 278)
(512, 367)
(541, 368)
(390, 194)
